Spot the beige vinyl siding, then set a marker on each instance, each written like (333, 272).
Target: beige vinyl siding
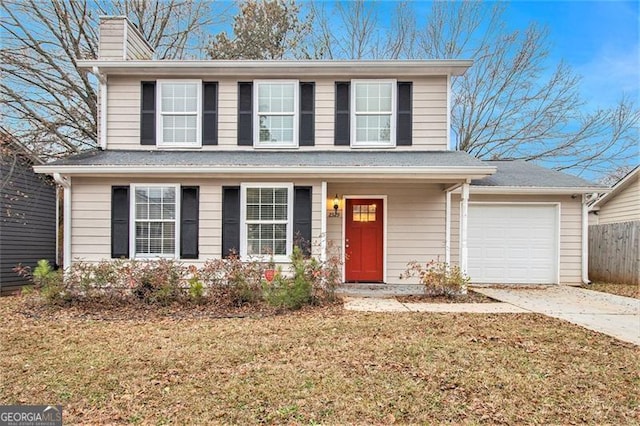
(429, 113)
(623, 206)
(415, 222)
(137, 48)
(111, 39)
(91, 214)
(570, 229)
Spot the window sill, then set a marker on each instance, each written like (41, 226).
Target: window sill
(372, 146)
(262, 146)
(178, 146)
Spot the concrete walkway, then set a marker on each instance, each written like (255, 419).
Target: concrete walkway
(368, 304)
(613, 315)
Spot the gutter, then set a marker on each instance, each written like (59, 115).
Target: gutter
(65, 183)
(337, 170)
(559, 190)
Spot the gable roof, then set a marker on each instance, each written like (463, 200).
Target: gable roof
(524, 176)
(408, 164)
(617, 188)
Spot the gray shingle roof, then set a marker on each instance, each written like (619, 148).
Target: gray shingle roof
(273, 159)
(526, 174)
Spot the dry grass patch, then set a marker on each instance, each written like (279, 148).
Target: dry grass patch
(321, 365)
(627, 290)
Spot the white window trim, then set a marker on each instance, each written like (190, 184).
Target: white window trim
(256, 116)
(132, 221)
(243, 221)
(160, 117)
(394, 111)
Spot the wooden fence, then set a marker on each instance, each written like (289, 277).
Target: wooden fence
(614, 252)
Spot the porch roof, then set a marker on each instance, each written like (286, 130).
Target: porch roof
(523, 176)
(450, 164)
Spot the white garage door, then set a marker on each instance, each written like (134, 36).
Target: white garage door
(513, 243)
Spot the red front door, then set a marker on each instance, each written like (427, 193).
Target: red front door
(363, 240)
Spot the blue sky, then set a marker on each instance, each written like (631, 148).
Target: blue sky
(599, 39)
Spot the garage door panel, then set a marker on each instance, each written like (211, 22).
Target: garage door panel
(513, 243)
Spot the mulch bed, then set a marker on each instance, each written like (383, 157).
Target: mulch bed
(470, 297)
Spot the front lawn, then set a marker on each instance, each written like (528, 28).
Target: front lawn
(322, 365)
(628, 290)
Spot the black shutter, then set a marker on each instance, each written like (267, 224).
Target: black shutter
(147, 113)
(119, 222)
(189, 218)
(404, 127)
(209, 113)
(302, 218)
(230, 220)
(307, 125)
(342, 130)
(245, 114)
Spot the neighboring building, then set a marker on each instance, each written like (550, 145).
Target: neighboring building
(622, 204)
(27, 214)
(202, 157)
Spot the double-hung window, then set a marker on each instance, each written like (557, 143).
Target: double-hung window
(276, 113)
(155, 219)
(373, 114)
(179, 113)
(266, 220)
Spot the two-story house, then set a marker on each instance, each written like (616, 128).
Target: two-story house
(199, 158)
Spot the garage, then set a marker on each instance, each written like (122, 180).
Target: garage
(513, 243)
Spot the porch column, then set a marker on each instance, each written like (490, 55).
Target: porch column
(323, 222)
(65, 182)
(464, 209)
(447, 227)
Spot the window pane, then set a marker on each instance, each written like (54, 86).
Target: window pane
(253, 195)
(276, 97)
(266, 212)
(276, 129)
(280, 212)
(253, 212)
(373, 97)
(373, 128)
(253, 231)
(266, 195)
(280, 231)
(179, 97)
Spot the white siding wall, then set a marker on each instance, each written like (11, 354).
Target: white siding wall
(415, 222)
(623, 206)
(429, 113)
(137, 47)
(91, 218)
(111, 44)
(570, 230)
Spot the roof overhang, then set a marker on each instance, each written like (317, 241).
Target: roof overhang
(534, 190)
(285, 68)
(321, 172)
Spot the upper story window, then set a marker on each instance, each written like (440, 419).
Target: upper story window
(276, 111)
(179, 113)
(373, 113)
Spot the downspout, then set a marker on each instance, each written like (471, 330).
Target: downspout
(323, 222)
(102, 95)
(585, 237)
(464, 216)
(65, 182)
(447, 227)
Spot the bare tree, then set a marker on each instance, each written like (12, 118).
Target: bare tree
(617, 175)
(354, 30)
(263, 29)
(47, 102)
(510, 105)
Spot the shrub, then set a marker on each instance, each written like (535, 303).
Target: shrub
(196, 289)
(48, 282)
(438, 278)
(234, 280)
(290, 292)
(160, 282)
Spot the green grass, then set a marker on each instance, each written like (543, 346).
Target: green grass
(321, 365)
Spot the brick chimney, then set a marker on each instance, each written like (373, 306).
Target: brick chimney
(121, 40)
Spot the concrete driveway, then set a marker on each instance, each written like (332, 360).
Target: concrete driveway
(614, 315)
